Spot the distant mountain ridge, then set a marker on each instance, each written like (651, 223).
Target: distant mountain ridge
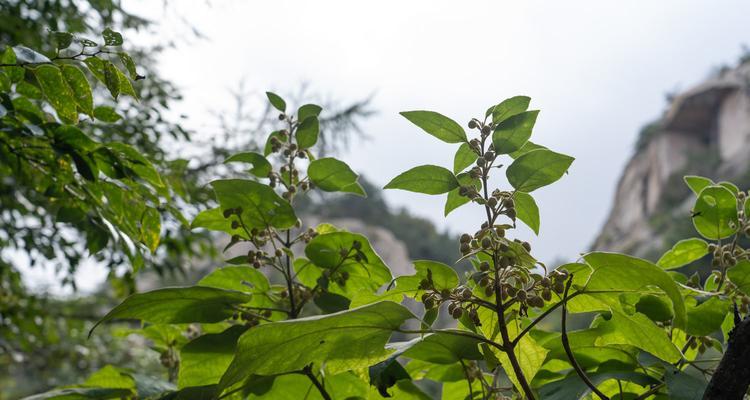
(704, 131)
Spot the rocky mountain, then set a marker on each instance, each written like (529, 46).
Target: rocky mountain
(704, 131)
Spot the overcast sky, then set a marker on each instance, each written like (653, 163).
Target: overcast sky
(598, 70)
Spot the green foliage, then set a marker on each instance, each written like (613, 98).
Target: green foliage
(429, 179)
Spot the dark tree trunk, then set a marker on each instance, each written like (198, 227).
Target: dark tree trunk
(732, 377)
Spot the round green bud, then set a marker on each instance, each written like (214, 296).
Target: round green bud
(484, 266)
(465, 238)
(526, 246)
(472, 124)
(521, 295)
(282, 117)
(486, 130)
(486, 243)
(357, 245)
(235, 224)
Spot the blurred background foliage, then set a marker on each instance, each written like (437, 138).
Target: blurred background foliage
(43, 337)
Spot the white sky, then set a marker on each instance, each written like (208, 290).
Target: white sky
(598, 70)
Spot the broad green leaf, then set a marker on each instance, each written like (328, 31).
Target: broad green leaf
(205, 359)
(706, 318)
(80, 86)
(511, 134)
(437, 125)
(529, 146)
(125, 86)
(656, 308)
(619, 273)
(57, 92)
(442, 347)
(332, 175)
(129, 64)
(366, 275)
(150, 228)
(63, 39)
(27, 89)
(5, 83)
(385, 374)
(527, 210)
(307, 132)
(70, 137)
(464, 157)
(261, 167)
(683, 252)
(454, 199)
(326, 340)
(528, 351)
(15, 74)
(82, 394)
(536, 169)
(428, 179)
(572, 387)
(639, 331)
(242, 278)
(267, 147)
(112, 38)
(111, 378)
(508, 108)
(213, 219)
(443, 277)
(261, 206)
(683, 386)
(714, 210)
(111, 78)
(276, 101)
(731, 186)
(308, 110)
(697, 183)
(96, 66)
(139, 164)
(740, 276)
(106, 114)
(178, 305)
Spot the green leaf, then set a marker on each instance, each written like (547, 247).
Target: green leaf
(129, 64)
(527, 210)
(110, 377)
(619, 273)
(267, 147)
(80, 86)
(125, 86)
(536, 169)
(508, 108)
(205, 359)
(697, 183)
(528, 351)
(740, 276)
(276, 101)
(510, 135)
(112, 38)
(150, 228)
(437, 125)
(639, 331)
(82, 394)
(27, 89)
(71, 137)
(443, 277)
(464, 157)
(332, 175)
(178, 305)
(454, 199)
(714, 210)
(656, 308)
(112, 78)
(683, 386)
(572, 387)
(242, 278)
(261, 166)
(213, 219)
(307, 132)
(308, 110)
(96, 66)
(706, 318)
(443, 347)
(261, 205)
(15, 74)
(683, 253)
(291, 345)
(428, 179)
(529, 146)
(106, 114)
(366, 275)
(57, 92)
(63, 39)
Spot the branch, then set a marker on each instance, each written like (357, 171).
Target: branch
(307, 371)
(541, 317)
(566, 344)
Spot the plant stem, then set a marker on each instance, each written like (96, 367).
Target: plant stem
(307, 371)
(566, 345)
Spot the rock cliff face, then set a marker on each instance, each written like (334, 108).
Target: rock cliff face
(704, 131)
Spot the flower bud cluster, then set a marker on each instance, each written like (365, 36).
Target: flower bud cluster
(459, 299)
